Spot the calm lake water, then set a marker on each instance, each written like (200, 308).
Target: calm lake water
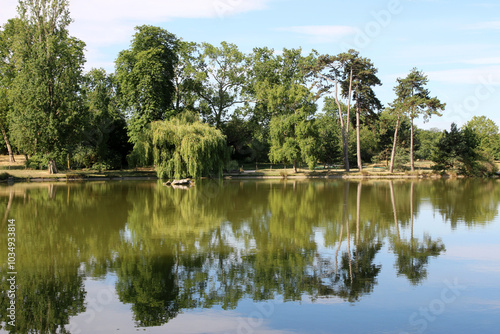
(273, 257)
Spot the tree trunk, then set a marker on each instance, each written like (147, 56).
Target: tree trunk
(345, 137)
(358, 140)
(411, 147)
(52, 167)
(394, 145)
(295, 166)
(391, 186)
(358, 211)
(346, 219)
(7, 143)
(411, 209)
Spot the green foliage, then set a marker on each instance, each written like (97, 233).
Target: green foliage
(100, 166)
(487, 134)
(240, 137)
(46, 105)
(293, 140)
(369, 144)
(84, 156)
(450, 147)
(428, 140)
(460, 149)
(187, 149)
(329, 139)
(37, 161)
(145, 74)
(232, 165)
(401, 158)
(222, 74)
(105, 135)
(413, 100)
(286, 104)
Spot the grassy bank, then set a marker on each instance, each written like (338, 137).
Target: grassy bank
(18, 173)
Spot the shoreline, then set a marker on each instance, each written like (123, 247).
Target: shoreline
(243, 176)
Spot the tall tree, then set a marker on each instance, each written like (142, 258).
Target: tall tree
(105, 134)
(145, 74)
(7, 71)
(187, 81)
(289, 103)
(487, 133)
(335, 71)
(413, 100)
(185, 147)
(362, 76)
(222, 72)
(45, 91)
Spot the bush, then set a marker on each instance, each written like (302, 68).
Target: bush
(84, 157)
(232, 165)
(100, 166)
(401, 158)
(4, 176)
(37, 161)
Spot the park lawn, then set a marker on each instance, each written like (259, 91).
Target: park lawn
(18, 171)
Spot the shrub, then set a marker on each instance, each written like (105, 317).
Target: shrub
(37, 161)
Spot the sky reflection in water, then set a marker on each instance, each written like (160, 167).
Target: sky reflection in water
(324, 256)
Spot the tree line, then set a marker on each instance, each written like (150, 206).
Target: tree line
(197, 109)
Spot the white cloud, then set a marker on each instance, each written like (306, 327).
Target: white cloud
(110, 23)
(483, 61)
(101, 22)
(322, 33)
(160, 10)
(478, 75)
(488, 25)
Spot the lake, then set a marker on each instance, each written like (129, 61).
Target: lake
(245, 256)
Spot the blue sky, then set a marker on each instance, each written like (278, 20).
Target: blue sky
(455, 42)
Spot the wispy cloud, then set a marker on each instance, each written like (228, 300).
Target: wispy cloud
(160, 10)
(322, 33)
(483, 61)
(103, 22)
(487, 25)
(476, 75)
(108, 23)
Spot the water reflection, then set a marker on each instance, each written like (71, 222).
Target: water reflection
(220, 242)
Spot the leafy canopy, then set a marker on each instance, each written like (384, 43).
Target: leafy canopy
(185, 147)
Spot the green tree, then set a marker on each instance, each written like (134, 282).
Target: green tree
(185, 147)
(46, 104)
(487, 133)
(413, 100)
(290, 105)
(105, 139)
(145, 77)
(7, 70)
(187, 81)
(428, 140)
(460, 149)
(329, 136)
(222, 73)
(334, 71)
(359, 83)
(293, 140)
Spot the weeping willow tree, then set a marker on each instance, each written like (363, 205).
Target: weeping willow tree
(184, 147)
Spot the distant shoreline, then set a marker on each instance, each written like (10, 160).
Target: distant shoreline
(82, 177)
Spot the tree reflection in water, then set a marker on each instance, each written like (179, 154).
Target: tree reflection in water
(220, 242)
